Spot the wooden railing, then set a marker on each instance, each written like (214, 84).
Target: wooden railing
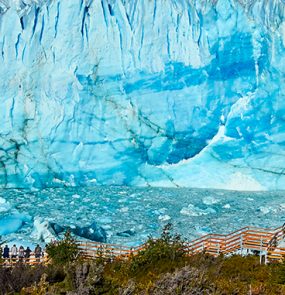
(32, 260)
(261, 241)
(243, 241)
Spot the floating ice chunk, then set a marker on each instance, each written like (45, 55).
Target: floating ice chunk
(122, 193)
(210, 211)
(92, 232)
(203, 230)
(265, 210)
(93, 180)
(227, 206)
(124, 209)
(10, 224)
(75, 196)
(43, 231)
(126, 233)
(191, 210)
(4, 205)
(105, 220)
(210, 201)
(123, 200)
(160, 211)
(164, 217)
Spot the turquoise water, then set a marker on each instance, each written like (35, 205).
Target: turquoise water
(193, 212)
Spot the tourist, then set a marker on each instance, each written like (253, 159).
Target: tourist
(6, 252)
(21, 253)
(38, 253)
(28, 254)
(14, 252)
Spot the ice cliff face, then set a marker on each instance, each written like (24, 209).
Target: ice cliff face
(142, 92)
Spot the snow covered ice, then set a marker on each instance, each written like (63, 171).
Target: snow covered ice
(175, 93)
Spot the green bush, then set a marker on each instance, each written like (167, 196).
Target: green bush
(63, 251)
(166, 249)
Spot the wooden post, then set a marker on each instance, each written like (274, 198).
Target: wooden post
(260, 255)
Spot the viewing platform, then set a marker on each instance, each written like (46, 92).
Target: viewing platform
(265, 242)
(268, 243)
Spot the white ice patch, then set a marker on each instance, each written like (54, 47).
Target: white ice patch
(210, 201)
(124, 209)
(164, 217)
(105, 220)
(42, 231)
(192, 210)
(75, 196)
(264, 210)
(4, 205)
(160, 211)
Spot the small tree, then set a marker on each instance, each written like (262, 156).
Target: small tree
(167, 247)
(63, 251)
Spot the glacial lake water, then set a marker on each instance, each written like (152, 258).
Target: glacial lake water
(144, 211)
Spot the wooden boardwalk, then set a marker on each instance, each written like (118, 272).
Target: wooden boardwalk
(264, 242)
(32, 260)
(247, 240)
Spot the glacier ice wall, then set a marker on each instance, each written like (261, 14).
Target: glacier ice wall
(142, 92)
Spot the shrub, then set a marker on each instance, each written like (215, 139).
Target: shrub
(167, 248)
(63, 251)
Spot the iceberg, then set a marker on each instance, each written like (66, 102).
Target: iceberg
(175, 93)
(12, 223)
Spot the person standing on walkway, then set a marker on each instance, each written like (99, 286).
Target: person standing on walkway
(28, 254)
(21, 253)
(6, 252)
(38, 253)
(14, 252)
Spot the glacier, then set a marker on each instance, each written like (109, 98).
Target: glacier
(175, 93)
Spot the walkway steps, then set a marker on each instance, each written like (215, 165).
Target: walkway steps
(262, 241)
(242, 241)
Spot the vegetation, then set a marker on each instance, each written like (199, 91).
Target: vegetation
(63, 251)
(167, 250)
(161, 268)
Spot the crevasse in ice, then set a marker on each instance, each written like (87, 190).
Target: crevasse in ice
(142, 92)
